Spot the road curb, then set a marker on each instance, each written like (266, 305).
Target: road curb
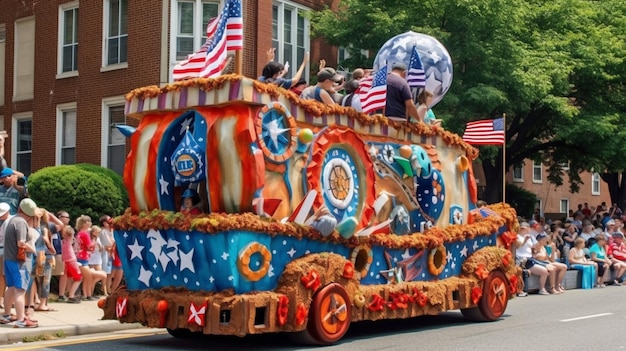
(18, 335)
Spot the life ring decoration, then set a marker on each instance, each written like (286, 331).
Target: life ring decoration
(256, 254)
(437, 260)
(341, 170)
(276, 132)
(362, 258)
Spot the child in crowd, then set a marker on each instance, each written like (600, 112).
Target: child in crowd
(72, 271)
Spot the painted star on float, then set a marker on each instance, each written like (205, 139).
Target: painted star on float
(186, 262)
(184, 125)
(291, 252)
(225, 255)
(135, 250)
(406, 254)
(464, 251)
(164, 184)
(275, 131)
(432, 83)
(211, 279)
(449, 256)
(173, 255)
(435, 56)
(475, 246)
(156, 241)
(164, 260)
(144, 276)
(270, 272)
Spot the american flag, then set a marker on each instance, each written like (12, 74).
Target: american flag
(224, 34)
(416, 76)
(485, 132)
(373, 91)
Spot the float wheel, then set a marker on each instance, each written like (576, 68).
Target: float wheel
(494, 300)
(330, 314)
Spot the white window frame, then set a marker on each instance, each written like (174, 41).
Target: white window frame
(199, 27)
(107, 103)
(279, 42)
(564, 206)
(15, 153)
(62, 109)
(540, 168)
(564, 165)
(105, 38)
(539, 205)
(519, 179)
(595, 183)
(61, 31)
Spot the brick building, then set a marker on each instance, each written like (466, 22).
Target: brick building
(65, 66)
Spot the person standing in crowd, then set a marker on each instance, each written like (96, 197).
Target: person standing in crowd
(85, 247)
(106, 237)
(4, 217)
(10, 191)
(72, 270)
(57, 242)
(399, 98)
(17, 237)
(424, 100)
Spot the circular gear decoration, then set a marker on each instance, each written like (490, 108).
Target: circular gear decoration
(341, 171)
(276, 131)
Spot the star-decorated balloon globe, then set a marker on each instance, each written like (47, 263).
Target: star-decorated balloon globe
(434, 56)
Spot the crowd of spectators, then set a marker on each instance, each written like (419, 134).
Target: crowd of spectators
(588, 239)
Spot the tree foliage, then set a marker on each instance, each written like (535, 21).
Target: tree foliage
(556, 70)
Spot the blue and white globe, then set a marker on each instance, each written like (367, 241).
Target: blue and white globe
(435, 59)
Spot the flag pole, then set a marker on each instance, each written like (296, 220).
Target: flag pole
(504, 159)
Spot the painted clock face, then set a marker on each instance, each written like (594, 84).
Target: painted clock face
(340, 182)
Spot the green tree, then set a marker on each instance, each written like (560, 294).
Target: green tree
(555, 69)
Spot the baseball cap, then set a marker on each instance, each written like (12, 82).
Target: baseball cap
(328, 73)
(532, 223)
(524, 225)
(29, 207)
(610, 222)
(4, 208)
(618, 235)
(6, 171)
(541, 236)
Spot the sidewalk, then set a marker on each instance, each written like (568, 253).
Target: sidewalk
(68, 320)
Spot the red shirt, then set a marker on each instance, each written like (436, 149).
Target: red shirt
(619, 251)
(84, 242)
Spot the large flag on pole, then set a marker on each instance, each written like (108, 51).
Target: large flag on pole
(416, 76)
(223, 33)
(373, 91)
(485, 132)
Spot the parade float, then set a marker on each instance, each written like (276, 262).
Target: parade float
(313, 217)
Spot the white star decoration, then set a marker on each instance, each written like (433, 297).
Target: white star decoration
(406, 254)
(225, 255)
(291, 252)
(270, 272)
(185, 125)
(274, 131)
(144, 276)
(186, 262)
(475, 246)
(464, 251)
(135, 250)
(164, 184)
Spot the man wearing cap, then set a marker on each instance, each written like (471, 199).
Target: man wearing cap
(617, 253)
(10, 192)
(399, 98)
(16, 271)
(4, 216)
(326, 79)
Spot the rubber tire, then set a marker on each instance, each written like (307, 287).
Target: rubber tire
(494, 300)
(315, 326)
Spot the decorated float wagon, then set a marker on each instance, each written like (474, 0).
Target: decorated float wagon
(313, 217)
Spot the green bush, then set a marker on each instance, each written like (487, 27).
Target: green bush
(79, 189)
(522, 200)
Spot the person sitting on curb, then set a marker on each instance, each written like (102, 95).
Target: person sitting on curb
(618, 252)
(524, 257)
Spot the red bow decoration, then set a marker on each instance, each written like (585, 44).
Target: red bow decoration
(311, 280)
(301, 313)
(197, 314)
(283, 310)
(398, 300)
(477, 293)
(513, 284)
(481, 272)
(506, 259)
(377, 304)
(419, 297)
(348, 270)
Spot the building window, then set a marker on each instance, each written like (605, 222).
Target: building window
(191, 19)
(116, 141)
(68, 37)
(518, 174)
(595, 184)
(564, 207)
(116, 31)
(290, 34)
(22, 143)
(66, 134)
(537, 172)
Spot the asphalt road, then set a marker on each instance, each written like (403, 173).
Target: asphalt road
(577, 320)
